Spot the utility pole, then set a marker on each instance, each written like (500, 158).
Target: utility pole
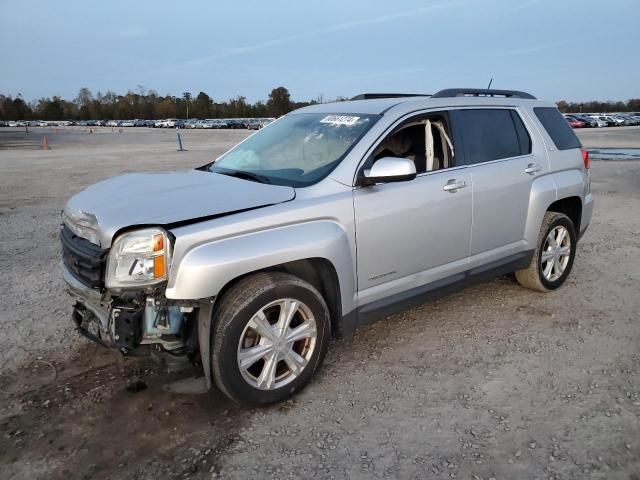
(187, 99)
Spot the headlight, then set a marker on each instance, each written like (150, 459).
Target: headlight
(138, 258)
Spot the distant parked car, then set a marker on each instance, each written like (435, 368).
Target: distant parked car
(599, 122)
(606, 118)
(620, 121)
(111, 123)
(630, 119)
(128, 123)
(636, 118)
(235, 123)
(573, 122)
(166, 123)
(588, 121)
(254, 124)
(266, 121)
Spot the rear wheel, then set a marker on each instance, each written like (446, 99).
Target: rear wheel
(270, 334)
(554, 254)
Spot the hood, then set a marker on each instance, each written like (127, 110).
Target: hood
(99, 211)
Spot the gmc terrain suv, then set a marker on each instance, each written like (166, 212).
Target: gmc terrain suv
(330, 217)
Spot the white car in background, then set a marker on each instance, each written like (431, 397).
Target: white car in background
(609, 120)
(166, 123)
(127, 123)
(600, 122)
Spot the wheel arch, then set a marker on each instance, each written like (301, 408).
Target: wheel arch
(571, 207)
(317, 271)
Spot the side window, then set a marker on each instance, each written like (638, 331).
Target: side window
(557, 128)
(523, 136)
(492, 134)
(425, 139)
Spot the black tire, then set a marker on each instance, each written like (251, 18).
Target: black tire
(230, 318)
(533, 276)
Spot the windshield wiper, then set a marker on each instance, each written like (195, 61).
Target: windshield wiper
(254, 177)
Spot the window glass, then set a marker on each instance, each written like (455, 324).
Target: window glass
(425, 139)
(523, 136)
(491, 134)
(298, 150)
(557, 128)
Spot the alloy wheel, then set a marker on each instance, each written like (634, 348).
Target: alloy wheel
(277, 344)
(556, 253)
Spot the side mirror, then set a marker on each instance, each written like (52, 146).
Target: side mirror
(389, 169)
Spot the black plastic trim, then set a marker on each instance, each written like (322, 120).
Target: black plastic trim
(84, 260)
(481, 92)
(374, 96)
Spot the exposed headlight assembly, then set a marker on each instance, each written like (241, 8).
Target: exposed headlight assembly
(138, 258)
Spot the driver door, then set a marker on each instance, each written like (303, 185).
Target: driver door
(412, 236)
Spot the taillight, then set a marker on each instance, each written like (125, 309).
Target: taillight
(585, 159)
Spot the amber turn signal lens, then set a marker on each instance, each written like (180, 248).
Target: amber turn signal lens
(158, 266)
(158, 243)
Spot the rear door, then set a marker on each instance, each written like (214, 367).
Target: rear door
(503, 162)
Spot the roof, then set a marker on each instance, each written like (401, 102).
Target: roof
(380, 106)
(375, 106)
(378, 103)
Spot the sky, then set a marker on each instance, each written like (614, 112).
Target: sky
(576, 50)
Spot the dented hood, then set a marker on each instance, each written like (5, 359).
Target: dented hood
(99, 211)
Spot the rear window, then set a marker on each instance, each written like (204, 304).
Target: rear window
(557, 128)
(492, 134)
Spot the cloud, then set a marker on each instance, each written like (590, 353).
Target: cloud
(394, 16)
(231, 52)
(531, 49)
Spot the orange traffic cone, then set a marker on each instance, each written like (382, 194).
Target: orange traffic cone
(45, 143)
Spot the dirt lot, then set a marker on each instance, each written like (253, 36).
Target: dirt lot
(493, 382)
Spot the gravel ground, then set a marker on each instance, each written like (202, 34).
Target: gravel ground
(492, 382)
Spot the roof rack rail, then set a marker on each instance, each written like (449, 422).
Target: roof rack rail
(481, 92)
(372, 96)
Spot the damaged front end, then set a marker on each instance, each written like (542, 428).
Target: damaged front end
(119, 296)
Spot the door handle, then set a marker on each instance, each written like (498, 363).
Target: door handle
(532, 168)
(454, 185)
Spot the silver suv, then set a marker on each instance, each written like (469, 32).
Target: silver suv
(330, 217)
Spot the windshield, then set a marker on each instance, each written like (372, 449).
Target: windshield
(298, 150)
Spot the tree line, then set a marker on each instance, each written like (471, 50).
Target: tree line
(631, 105)
(145, 104)
(148, 105)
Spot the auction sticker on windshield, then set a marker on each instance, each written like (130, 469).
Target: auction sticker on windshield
(340, 120)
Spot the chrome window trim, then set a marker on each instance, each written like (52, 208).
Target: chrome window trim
(432, 110)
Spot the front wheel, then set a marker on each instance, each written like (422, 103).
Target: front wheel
(554, 254)
(270, 333)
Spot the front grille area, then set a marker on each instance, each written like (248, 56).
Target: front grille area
(83, 259)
